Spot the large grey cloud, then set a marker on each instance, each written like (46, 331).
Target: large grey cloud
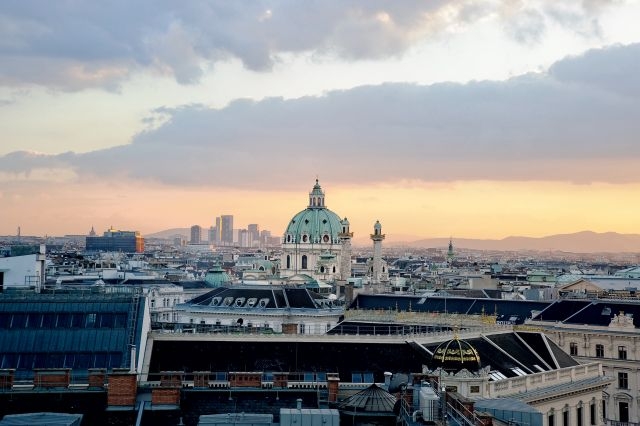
(579, 122)
(73, 45)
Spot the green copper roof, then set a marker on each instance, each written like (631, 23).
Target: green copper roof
(314, 225)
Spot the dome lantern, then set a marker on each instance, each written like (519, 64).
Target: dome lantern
(316, 197)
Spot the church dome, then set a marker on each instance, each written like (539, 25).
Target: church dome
(314, 225)
(456, 354)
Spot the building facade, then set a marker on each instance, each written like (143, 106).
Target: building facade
(602, 331)
(117, 241)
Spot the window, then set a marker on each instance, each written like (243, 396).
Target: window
(599, 351)
(304, 261)
(90, 320)
(550, 420)
(77, 320)
(579, 416)
(592, 413)
(623, 412)
(19, 321)
(474, 389)
(623, 380)
(622, 352)
(565, 418)
(573, 348)
(302, 328)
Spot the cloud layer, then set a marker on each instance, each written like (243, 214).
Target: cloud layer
(75, 45)
(579, 122)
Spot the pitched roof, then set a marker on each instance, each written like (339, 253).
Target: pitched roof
(372, 400)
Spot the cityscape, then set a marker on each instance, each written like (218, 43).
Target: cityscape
(320, 213)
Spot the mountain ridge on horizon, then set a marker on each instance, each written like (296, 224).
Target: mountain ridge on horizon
(576, 242)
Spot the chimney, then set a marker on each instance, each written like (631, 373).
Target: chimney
(387, 380)
(333, 384)
(132, 367)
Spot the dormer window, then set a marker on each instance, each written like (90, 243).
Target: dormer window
(240, 301)
(305, 238)
(325, 238)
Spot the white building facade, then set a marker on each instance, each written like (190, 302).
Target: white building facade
(317, 242)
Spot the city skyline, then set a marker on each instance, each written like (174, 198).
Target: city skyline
(463, 119)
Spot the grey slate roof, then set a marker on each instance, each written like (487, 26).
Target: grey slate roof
(67, 331)
(277, 297)
(372, 400)
(42, 419)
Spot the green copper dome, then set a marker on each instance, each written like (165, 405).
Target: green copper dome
(316, 224)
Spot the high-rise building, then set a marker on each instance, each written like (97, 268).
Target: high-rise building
(218, 227)
(196, 234)
(226, 229)
(213, 235)
(254, 235)
(244, 238)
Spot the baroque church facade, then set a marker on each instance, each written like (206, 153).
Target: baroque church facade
(316, 243)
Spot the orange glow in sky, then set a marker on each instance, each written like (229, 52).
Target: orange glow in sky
(407, 211)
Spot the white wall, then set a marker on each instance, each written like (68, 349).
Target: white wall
(17, 268)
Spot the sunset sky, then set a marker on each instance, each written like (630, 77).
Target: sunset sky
(463, 118)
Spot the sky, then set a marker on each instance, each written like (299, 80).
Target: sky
(459, 118)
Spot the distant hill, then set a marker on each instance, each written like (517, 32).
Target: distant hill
(170, 233)
(579, 242)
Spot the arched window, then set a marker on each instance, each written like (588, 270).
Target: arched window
(304, 261)
(334, 269)
(322, 269)
(288, 238)
(288, 261)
